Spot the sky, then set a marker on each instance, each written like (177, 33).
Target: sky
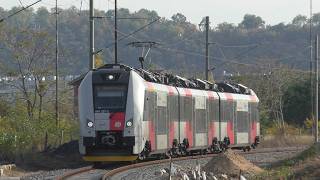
(232, 11)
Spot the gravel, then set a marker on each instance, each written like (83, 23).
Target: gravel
(150, 172)
(45, 175)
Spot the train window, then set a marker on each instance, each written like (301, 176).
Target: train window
(162, 120)
(188, 108)
(109, 98)
(149, 106)
(213, 110)
(242, 121)
(201, 122)
(173, 108)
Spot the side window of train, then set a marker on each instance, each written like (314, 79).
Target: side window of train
(173, 108)
(188, 108)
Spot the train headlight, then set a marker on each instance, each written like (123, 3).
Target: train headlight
(110, 77)
(129, 123)
(90, 124)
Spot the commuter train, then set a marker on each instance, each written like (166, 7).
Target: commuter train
(128, 114)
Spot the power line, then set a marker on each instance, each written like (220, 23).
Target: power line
(130, 34)
(21, 3)
(17, 12)
(225, 59)
(236, 46)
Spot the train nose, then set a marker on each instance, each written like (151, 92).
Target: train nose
(108, 140)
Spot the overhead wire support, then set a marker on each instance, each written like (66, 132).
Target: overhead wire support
(207, 48)
(115, 33)
(129, 35)
(311, 62)
(91, 51)
(56, 67)
(17, 12)
(316, 90)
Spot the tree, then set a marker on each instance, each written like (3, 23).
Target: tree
(179, 18)
(30, 56)
(300, 20)
(252, 22)
(316, 19)
(296, 102)
(226, 27)
(42, 17)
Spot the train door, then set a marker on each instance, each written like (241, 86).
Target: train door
(149, 118)
(213, 118)
(242, 122)
(227, 119)
(254, 121)
(200, 121)
(173, 120)
(186, 119)
(161, 121)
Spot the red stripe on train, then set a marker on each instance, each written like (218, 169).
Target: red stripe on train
(152, 135)
(210, 94)
(230, 131)
(228, 96)
(171, 90)
(211, 132)
(253, 98)
(150, 86)
(116, 121)
(171, 133)
(188, 92)
(189, 133)
(253, 130)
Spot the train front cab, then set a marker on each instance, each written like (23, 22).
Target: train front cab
(108, 109)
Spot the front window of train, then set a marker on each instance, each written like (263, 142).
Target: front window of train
(109, 98)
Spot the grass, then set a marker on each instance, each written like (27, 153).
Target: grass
(283, 141)
(297, 167)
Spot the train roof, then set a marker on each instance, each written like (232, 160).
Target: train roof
(178, 81)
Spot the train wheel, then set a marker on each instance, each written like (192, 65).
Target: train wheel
(141, 157)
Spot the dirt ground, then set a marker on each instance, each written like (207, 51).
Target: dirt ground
(231, 164)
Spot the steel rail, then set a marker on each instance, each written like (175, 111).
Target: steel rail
(75, 172)
(108, 175)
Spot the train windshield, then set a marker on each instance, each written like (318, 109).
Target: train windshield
(109, 98)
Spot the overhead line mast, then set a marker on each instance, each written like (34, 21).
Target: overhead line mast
(317, 90)
(207, 48)
(56, 68)
(115, 33)
(311, 64)
(91, 51)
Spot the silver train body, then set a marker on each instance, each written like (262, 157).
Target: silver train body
(124, 117)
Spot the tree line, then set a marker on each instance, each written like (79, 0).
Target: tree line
(182, 44)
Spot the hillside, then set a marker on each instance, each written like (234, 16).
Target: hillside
(235, 48)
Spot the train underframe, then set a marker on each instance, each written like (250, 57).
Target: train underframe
(113, 147)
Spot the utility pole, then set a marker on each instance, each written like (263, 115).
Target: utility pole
(115, 33)
(317, 89)
(311, 63)
(56, 68)
(91, 52)
(207, 48)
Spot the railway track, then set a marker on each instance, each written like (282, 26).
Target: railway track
(111, 171)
